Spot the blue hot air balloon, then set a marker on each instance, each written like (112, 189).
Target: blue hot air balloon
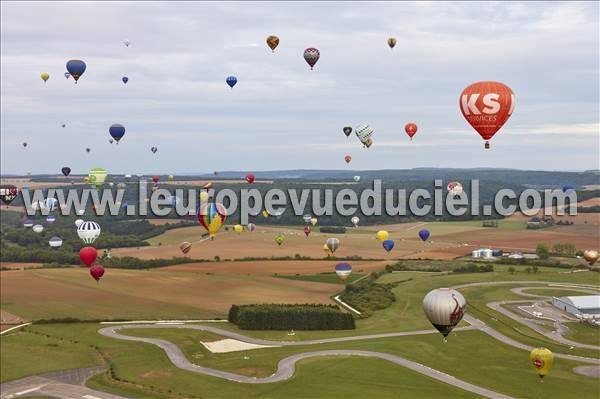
(231, 81)
(388, 245)
(51, 219)
(117, 131)
(568, 187)
(125, 79)
(76, 68)
(424, 234)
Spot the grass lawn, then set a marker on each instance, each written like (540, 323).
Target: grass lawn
(24, 353)
(331, 278)
(584, 333)
(549, 292)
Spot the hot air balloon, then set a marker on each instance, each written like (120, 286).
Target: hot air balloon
(332, 244)
(382, 235)
(88, 255)
(204, 196)
(125, 79)
(170, 178)
(126, 43)
(326, 250)
(111, 141)
(66, 171)
(347, 130)
(307, 230)
(307, 218)
(487, 106)
(76, 68)
(88, 149)
(311, 56)
(51, 204)
(591, 256)
(25, 144)
(250, 178)
(265, 214)
(38, 228)
(343, 270)
(392, 42)
(444, 307)
(121, 185)
(212, 217)
(88, 232)
(364, 133)
(238, 228)
(185, 247)
(97, 176)
(78, 222)
(279, 239)
(67, 75)
(355, 220)
(27, 223)
(388, 245)
(231, 81)
(117, 131)
(313, 221)
(81, 212)
(97, 271)
(272, 42)
(153, 149)
(8, 193)
(410, 129)
(45, 77)
(348, 159)
(208, 185)
(455, 188)
(251, 227)
(356, 178)
(568, 187)
(155, 179)
(51, 219)
(55, 242)
(542, 360)
(424, 234)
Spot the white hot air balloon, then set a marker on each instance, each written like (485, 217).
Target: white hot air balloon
(307, 218)
(121, 185)
(78, 222)
(355, 220)
(81, 212)
(88, 232)
(444, 307)
(51, 204)
(38, 228)
(55, 242)
(126, 42)
(27, 223)
(357, 178)
(364, 133)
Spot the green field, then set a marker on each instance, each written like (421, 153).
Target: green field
(584, 333)
(330, 278)
(549, 292)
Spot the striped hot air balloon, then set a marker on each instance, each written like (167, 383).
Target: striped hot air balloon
(332, 244)
(88, 231)
(185, 247)
(343, 270)
(212, 217)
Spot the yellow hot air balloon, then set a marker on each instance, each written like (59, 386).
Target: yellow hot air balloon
(170, 177)
(392, 42)
(313, 221)
(542, 359)
(272, 42)
(326, 249)
(203, 196)
(279, 239)
(97, 176)
(45, 76)
(86, 179)
(212, 216)
(265, 214)
(238, 228)
(382, 235)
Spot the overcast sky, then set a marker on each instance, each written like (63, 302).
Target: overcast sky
(282, 115)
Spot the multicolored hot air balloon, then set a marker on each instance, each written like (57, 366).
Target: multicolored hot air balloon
(28, 223)
(542, 360)
(45, 77)
(250, 178)
(8, 193)
(347, 130)
(88, 255)
(311, 56)
(364, 133)
(487, 106)
(410, 129)
(279, 239)
(231, 81)
(455, 188)
(348, 159)
(307, 230)
(76, 68)
(343, 270)
(392, 42)
(424, 234)
(185, 247)
(272, 42)
(97, 271)
(444, 307)
(382, 235)
(591, 256)
(388, 245)
(251, 227)
(88, 231)
(117, 131)
(212, 217)
(97, 176)
(332, 244)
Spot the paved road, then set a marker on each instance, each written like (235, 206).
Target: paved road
(67, 384)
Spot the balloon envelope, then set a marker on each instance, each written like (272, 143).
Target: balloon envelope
(424, 234)
(88, 231)
(231, 81)
(125, 79)
(45, 76)
(272, 42)
(388, 245)
(343, 270)
(355, 220)
(542, 360)
(76, 68)
(251, 227)
(117, 131)
(97, 271)
(55, 242)
(444, 307)
(347, 130)
(97, 176)
(307, 230)
(66, 171)
(591, 256)
(332, 244)
(382, 235)
(411, 129)
(185, 247)
(8, 193)
(212, 217)
(348, 159)
(568, 187)
(88, 255)
(392, 42)
(279, 239)
(311, 56)
(250, 178)
(238, 228)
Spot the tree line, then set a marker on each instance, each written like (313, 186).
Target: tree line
(290, 317)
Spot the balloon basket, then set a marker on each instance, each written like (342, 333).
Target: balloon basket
(487, 145)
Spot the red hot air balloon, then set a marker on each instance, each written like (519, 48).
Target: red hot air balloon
(250, 178)
(88, 255)
(307, 230)
(311, 56)
(97, 271)
(347, 158)
(411, 129)
(155, 179)
(208, 185)
(487, 106)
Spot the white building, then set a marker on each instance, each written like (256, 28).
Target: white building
(585, 306)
